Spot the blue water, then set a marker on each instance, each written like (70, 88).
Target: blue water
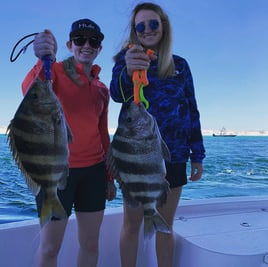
(234, 166)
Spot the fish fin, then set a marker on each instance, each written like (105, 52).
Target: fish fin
(52, 209)
(162, 199)
(31, 184)
(155, 223)
(69, 134)
(164, 147)
(165, 151)
(111, 164)
(63, 181)
(68, 128)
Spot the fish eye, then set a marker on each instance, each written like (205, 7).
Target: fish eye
(129, 119)
(34, 96)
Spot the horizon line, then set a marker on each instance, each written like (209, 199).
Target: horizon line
(204, 131)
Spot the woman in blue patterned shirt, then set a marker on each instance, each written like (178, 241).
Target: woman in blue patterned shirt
(172, 102)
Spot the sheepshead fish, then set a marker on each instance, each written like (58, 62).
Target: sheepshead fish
(38, 137)
(136, 158)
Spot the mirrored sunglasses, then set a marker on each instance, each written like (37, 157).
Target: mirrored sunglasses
(153, 24)
(81, 40)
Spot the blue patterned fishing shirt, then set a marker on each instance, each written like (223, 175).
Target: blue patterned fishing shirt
(171, 101)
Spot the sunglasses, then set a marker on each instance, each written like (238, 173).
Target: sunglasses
(81, 40)
(153, 24)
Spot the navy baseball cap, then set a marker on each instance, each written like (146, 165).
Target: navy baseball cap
(84, 26)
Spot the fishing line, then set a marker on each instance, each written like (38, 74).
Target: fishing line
(24, 48)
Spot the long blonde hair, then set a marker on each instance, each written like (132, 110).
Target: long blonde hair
(165, 60)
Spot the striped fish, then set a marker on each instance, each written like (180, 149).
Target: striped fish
(136, 158)
(38, 137)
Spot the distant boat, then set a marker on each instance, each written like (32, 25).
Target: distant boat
(223, 133)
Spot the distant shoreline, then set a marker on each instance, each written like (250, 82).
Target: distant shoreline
(3, 130)
(204, 132)
(238, 133)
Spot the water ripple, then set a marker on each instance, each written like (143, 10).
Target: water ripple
(233, 167)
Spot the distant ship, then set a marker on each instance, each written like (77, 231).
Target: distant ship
(223, 133)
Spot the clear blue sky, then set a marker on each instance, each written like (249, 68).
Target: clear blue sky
(224, 41)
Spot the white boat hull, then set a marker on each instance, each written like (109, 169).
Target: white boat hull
(220, 232)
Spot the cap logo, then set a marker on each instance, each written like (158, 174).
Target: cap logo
(85, 25)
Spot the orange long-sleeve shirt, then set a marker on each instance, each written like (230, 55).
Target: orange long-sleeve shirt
(86, 110)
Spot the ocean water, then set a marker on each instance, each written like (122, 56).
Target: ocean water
(234, 166)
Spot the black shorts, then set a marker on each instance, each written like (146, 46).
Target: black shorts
(176, 174)
(85, 190)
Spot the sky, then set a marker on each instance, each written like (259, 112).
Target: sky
(224, 41)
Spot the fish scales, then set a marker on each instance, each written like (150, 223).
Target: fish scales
(122, 144)
(42, 169)
(38, 136)
(34, 148)
(136, 158)
(138, 168)
(24, 124)
(138, 186)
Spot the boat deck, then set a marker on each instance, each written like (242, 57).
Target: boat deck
(216, 232)
(232, 233)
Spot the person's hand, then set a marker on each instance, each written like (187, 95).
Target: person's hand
(196, 171)
(111, 191)
(45, 44)
(137, 59)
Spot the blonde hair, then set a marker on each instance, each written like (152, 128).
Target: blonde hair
(166, 65)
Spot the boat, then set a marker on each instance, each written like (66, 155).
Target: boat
(223, 133)
(230, 231)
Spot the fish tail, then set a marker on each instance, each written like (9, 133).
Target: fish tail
(52, 209)
(155, 223)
